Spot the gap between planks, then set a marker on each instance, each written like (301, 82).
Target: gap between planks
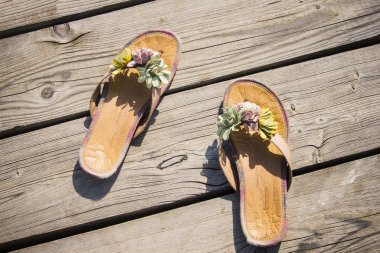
(101, 224)
(53, 13)
(349, 47)
(68, 60)
(122, 220)
(329, 101)
(337, 209)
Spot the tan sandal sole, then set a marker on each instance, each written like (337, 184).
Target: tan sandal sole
(261, 169)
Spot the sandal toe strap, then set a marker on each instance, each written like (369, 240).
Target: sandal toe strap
(277, 140)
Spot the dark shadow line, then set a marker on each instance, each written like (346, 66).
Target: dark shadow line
(69, 18)
(98, 224)
(296, 60)
(40, 125)
(335, 162)
(107, 222)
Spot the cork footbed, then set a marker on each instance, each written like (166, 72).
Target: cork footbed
(261, 169)
(120, 108)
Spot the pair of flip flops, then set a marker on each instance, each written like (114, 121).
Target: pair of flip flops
(252, 130)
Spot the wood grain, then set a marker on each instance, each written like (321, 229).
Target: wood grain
(19, 13)
(42, 189)
(332, 210)
(50, 74)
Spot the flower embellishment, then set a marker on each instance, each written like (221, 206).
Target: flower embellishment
(149, 64)
(228, 121)
(120, 61)
(247, 115)
(141, 56)
(154, 73)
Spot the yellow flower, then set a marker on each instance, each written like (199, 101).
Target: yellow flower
(267, 125)
(121, 60)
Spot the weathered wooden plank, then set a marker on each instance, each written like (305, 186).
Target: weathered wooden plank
(50, 73)
(335, 114)
(335, 209)
(19, 13)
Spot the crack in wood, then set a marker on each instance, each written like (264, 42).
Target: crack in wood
(64, 34)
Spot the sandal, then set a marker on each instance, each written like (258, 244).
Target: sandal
(252, 131)
(141, 72)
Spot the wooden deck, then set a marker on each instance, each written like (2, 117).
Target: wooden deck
(321, 57)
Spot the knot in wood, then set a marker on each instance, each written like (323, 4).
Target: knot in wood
(61, 31)
(47, 92)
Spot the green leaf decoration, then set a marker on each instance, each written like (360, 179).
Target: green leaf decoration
(154, 73)
(228, 121)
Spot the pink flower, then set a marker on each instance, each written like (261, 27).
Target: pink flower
(141, 56)
(249, 113)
